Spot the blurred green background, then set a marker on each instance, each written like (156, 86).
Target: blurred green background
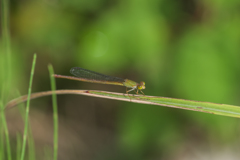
(185, 49)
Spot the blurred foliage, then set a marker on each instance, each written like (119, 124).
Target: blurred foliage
(184, 49)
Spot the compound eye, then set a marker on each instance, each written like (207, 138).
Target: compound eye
(142, 85)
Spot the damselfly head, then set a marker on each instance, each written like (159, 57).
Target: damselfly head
(141, 85)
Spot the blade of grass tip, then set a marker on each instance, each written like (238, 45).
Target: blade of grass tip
(27, 108)
(5, 128)
(55, 113)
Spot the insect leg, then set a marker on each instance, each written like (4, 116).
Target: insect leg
(142, 92)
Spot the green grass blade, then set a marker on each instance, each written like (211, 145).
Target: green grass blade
(6, 45)
(55, 113)
(18, 149)
(1, 139)
(207, 107)
(48, 153)
(27, 108)
(7, 74)
(31, 144)
(5, 128)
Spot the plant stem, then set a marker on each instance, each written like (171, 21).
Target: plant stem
(27, 109)
(55, 113)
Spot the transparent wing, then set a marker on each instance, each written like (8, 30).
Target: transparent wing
(91, 75)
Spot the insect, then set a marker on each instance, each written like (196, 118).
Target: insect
(94, 77)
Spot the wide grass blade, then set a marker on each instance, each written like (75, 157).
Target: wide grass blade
(207, 107)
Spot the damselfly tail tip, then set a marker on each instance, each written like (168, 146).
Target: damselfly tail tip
(56, 75)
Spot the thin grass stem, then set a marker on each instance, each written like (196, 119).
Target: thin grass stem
(31, 144)
(18, 149)
(55, 113)
(6, 45)
(5, 128)
(27, 109)
(1, 140)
